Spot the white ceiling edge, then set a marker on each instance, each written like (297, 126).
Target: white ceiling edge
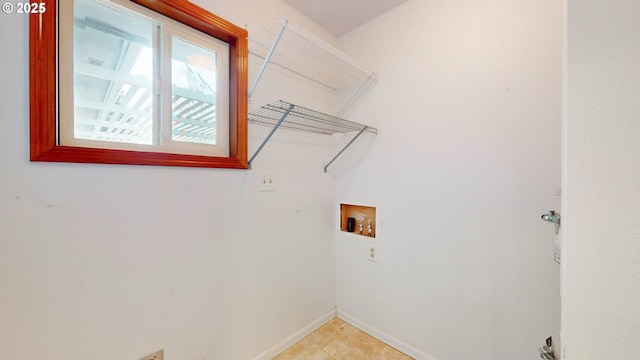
(341, 16)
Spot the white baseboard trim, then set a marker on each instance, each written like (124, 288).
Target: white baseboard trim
(385, 337)
(295, 337)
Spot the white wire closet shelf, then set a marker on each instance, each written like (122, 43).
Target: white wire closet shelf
(295, 49)
(281, 114)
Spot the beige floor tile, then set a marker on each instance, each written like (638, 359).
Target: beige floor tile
(338, 340)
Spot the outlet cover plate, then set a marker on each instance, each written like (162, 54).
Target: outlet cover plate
(267, 181)
(372, 252)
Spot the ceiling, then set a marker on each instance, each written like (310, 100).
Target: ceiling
(341, 16)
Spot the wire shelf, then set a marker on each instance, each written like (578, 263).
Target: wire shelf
(303, 53)
(295, 49)
(298, 51)
(282, 114)
(304, 119)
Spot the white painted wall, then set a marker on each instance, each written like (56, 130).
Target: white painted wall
(467, 158)
(114, 262)
(109, 262)
(601, 180)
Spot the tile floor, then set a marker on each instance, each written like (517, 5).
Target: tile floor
(338, 340)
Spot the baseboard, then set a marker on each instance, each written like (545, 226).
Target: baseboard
(295, 337)
(385, 337)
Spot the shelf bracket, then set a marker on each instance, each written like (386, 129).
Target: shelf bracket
(345, 148)
(268, 58)
(273, 130)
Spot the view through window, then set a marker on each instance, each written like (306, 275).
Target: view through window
(140, 78)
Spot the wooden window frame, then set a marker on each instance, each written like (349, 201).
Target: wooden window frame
(43, 92)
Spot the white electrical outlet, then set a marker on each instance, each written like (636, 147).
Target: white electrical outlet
(267, 181)
(372, 252)
(158, 355)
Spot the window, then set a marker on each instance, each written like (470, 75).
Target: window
(152, 83)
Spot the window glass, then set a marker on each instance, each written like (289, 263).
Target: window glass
(121, 62)
(194, 89)
(113, 75)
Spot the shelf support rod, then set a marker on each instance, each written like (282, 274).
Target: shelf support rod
(277, 125)
(268, 57)
(345, 148)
